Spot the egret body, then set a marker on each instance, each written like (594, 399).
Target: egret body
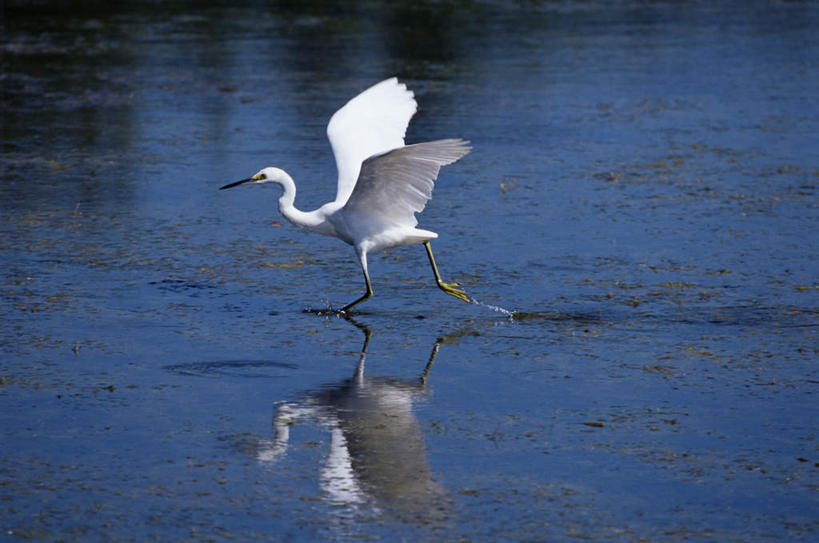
(382, 183)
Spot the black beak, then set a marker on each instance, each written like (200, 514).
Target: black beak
(237, 183)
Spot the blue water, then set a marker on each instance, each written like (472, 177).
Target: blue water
(641, 197)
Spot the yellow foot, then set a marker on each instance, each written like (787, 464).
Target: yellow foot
(450, 288)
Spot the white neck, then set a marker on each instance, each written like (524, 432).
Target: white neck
(312, 220)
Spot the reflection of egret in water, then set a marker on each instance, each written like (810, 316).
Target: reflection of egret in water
(377, 450)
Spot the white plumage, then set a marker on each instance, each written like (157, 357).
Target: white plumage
(372, 123)
(381, 182)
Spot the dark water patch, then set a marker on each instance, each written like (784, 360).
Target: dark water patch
(181, 286)
(556, 316)
(251, 369)
(743, 316)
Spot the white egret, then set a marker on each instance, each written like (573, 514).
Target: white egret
(382, 183)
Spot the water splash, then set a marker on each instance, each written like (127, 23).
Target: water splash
(509, 314)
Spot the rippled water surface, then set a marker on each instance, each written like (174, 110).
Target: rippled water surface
(641, 197)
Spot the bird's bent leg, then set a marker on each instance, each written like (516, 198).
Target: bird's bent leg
(449, 288)
(367, 295)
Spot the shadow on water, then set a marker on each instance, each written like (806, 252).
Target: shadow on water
(508, 314)
(377, 462)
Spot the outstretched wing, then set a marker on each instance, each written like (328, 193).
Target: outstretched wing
(372, 123)
(392, 187)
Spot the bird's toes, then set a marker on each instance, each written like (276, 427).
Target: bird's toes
(450, 288)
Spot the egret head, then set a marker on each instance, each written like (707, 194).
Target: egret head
(267, 175)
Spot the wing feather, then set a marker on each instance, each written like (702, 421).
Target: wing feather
(393, 186)
(372, 123)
